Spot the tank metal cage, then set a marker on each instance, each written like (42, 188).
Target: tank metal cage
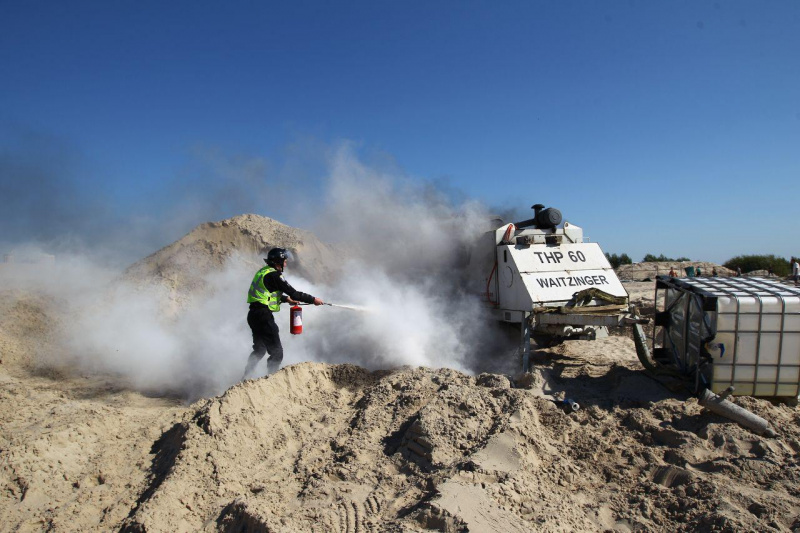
(758, 318)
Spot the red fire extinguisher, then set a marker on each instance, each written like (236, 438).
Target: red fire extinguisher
(296, 320)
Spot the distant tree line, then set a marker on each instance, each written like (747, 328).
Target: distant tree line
(650, 258)
(624, 259)
(777, 265)
(748, 263)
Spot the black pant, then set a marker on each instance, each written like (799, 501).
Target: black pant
(266, 338)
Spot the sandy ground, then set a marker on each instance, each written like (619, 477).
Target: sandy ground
(322, 447)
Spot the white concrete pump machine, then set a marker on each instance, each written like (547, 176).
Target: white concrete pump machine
(547, 279)
(732, 335)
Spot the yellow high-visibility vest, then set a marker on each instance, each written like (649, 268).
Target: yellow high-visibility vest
(258, 292)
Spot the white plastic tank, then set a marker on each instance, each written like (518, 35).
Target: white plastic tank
(737, 331)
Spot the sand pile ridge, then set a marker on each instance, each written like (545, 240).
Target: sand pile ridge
(183, 266)
(321, 447)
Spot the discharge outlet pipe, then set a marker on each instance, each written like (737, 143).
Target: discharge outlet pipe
(719, 405)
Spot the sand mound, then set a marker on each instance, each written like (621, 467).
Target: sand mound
(649, 270)
(336, 448)
(323, 447)
(29, 328)
(183, 266)
(74, 453)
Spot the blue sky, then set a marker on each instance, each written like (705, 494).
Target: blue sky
(663, 127)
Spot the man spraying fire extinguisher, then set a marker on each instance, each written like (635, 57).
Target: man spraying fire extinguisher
(268, 290)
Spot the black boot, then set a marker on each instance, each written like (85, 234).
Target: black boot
(252, 362)
(272, 367)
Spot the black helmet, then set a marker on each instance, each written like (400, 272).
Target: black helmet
(278, 256)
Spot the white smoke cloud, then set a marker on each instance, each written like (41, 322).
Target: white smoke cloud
(397, 324)
(395, 223)
(407, 250)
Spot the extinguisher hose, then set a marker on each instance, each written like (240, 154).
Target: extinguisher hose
(352, 308)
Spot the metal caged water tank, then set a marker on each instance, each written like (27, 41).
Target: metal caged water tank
(740, 332)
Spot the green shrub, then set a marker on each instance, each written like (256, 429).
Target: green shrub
(617, 260)
(748, 263)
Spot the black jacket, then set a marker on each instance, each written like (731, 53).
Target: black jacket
(274, 281)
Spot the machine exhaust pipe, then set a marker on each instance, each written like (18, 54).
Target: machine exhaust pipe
(542, 218)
